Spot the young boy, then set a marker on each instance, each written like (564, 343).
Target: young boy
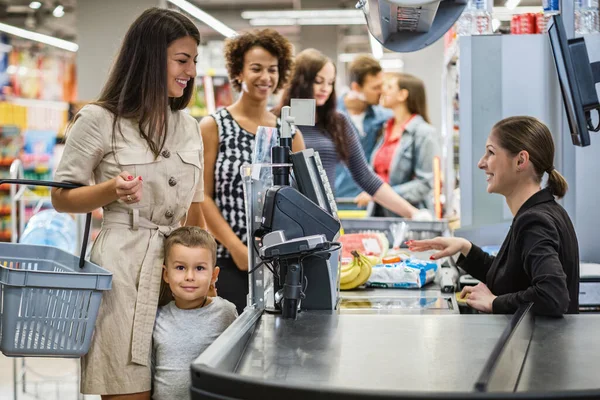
(184, 328)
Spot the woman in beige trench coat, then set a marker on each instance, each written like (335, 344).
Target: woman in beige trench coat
(145, 156)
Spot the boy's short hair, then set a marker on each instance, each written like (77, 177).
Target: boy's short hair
(191, 236)
(363, 66)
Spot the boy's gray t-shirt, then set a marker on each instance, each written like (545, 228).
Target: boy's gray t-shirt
(179, 337)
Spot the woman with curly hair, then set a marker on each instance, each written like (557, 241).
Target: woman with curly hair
(259, 63)
(334, 136)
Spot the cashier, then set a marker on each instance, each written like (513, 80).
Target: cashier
(539, 259)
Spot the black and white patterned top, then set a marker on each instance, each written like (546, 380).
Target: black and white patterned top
(235, 149)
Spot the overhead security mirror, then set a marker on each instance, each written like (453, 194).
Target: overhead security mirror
(410, 25)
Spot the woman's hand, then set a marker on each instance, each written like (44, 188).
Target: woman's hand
(128, 188)
(240, 257)
(448, 246)
(363, 199)
(479, 297)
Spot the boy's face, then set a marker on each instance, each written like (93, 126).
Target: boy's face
(190, 273)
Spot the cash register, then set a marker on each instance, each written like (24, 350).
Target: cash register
(296, 231)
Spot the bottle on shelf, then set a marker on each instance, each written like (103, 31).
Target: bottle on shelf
(587, 18)
(551, 7)
(476, 19)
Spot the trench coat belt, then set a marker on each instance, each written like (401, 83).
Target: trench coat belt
(150, 275)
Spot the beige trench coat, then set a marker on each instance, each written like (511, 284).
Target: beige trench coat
(130, 243)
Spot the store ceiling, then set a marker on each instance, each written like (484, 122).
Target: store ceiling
(18, 13)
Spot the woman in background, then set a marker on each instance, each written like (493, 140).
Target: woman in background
(259, 64)
(333, 135)
(404, 155)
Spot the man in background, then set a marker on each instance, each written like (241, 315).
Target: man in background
(361, 105)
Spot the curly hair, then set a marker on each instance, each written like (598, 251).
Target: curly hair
(270, 40)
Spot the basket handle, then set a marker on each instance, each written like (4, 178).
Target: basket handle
(60, 185)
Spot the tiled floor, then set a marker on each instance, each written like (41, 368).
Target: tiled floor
(45, 379)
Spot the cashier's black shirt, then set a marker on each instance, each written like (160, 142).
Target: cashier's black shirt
(538, 261)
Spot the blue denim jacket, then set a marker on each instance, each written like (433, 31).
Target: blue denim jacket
(375, 118)
(411, 170)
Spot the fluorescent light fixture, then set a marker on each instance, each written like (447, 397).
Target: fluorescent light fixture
(303, 14)
(511, 4)
(59, 11)
(347, 57)
(306, 21)
(35, 5)
(204, 17)
(392, 64)
(376, 47)
(496, 24)
(38, 37)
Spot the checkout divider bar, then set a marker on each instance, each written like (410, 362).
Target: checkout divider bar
(503, 368)
(225, 352)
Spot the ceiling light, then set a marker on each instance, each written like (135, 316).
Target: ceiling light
(35, 5)
(306, 21)
(59, 11)
(303, 14)
(392, 64)
(38, 37)
(511, 4)
(272, 22)
(347, 57)
(204, 17)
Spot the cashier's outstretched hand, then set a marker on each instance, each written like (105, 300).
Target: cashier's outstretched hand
(479, 297)
(447, 246)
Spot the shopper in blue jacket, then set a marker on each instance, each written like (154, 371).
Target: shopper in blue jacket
(404, 154)
(361, 105)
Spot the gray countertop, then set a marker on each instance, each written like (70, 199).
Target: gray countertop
(383, 352)
(563, 355)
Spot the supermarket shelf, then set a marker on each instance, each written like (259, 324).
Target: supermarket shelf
(55, 105)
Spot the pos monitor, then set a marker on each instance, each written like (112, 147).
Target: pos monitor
(311, 180)
(577, 79)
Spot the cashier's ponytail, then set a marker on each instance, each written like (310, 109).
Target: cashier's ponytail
(557, 183)
(516, 134)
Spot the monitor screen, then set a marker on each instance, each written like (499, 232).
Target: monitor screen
(568, 83)
(311, 180)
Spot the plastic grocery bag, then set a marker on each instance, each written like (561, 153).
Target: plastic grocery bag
(405, 274)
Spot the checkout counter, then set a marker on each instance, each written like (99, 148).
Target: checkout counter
(377, 343)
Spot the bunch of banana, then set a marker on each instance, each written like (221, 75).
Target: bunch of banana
(357, 272)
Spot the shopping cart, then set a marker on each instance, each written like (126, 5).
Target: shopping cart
(49, 298)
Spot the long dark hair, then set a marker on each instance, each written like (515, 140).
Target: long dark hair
(137, 84)
(307, 65)
(417, 99)
(530, 134)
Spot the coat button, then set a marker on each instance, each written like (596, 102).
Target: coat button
(166, 153)
(169, 214)
(172, 181)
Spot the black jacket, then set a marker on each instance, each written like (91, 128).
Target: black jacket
(538, 261)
